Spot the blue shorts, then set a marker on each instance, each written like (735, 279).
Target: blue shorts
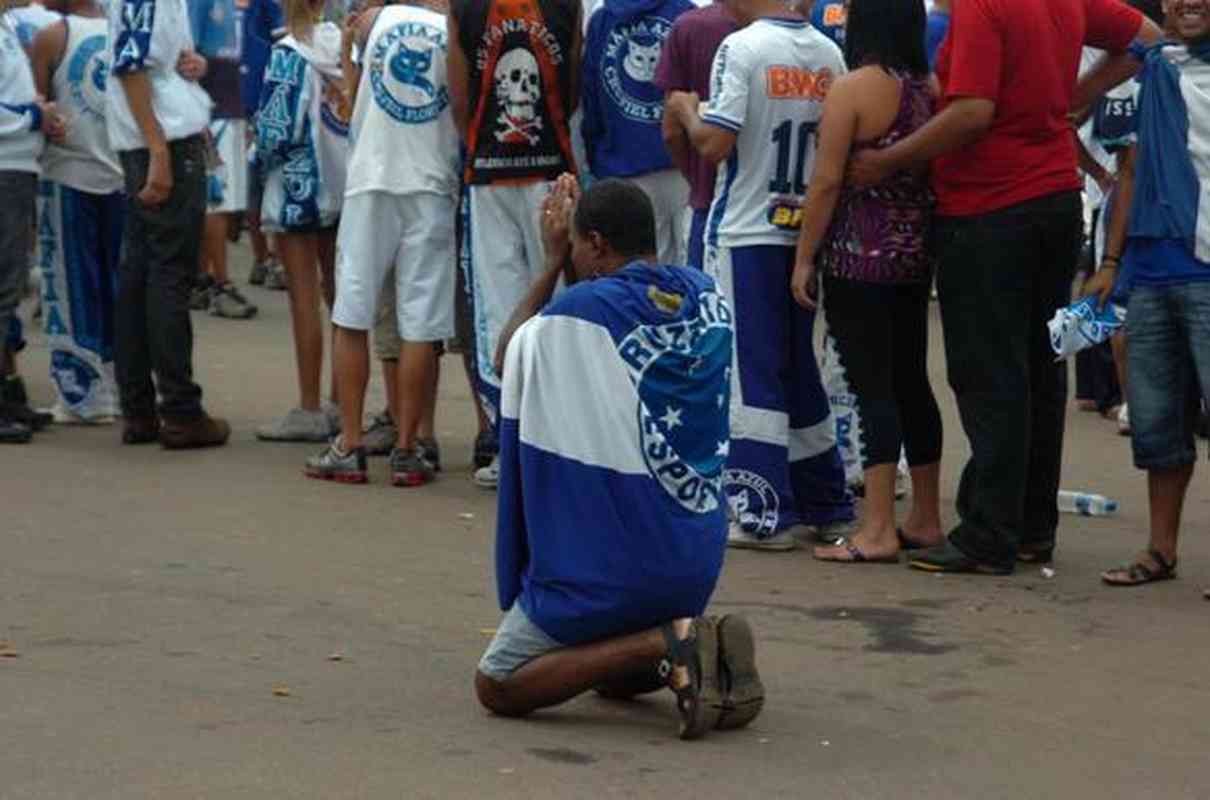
(517, 642)
(1168, 360)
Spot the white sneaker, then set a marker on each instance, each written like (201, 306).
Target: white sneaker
(1124, 420)
(298, 425)
(488, 477)
(65, 416)
(740, 539)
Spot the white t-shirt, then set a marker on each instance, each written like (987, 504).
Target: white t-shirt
(26, 21)
(403, 135)
(768, 84)
(150, 35)
(85, 161)
(20, 144)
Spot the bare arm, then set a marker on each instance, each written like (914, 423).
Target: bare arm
(713, 142)
(356, 34)
(836, 132)
(45, 53)
(963, 121)
(674, 141)
(137, 87)
(1113, 69)
(458, 77)
(1106, 278)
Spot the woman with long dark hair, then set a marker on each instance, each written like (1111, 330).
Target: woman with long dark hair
(870, 247)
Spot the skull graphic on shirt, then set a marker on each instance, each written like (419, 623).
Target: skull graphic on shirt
(518, 90)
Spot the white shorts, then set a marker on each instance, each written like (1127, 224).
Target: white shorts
(669, 193)
(415, 234)
(504, 236)
(229, 181)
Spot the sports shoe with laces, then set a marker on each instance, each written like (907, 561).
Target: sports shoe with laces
(740, 539)
(275, 278)
(430, 452)
(13, 432)
(227, 302)
(380, 436)
(298, 425)
(409, 468)
(488, 477)
(334, 464)
(260, 270)
(199, 297)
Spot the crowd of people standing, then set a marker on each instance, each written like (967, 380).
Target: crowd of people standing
(452, 175)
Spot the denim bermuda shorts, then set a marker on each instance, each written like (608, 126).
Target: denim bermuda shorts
(518, 641)
(1168, 362)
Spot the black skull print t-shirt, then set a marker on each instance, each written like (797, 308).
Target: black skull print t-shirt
(521, 55)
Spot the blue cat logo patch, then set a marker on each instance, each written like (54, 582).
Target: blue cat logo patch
(632, 53)
(682, 371)
(402, 76)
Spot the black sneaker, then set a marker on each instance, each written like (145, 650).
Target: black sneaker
(14, 405)
(203, 290)
(945, 557)
(486, 448)
(259, 270)
(13, 432)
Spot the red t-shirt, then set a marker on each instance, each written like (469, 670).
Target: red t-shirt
(1024, 55)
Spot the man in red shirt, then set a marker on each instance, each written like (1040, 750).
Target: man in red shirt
(1003, 157)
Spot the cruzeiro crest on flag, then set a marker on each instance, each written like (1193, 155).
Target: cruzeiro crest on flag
(682, 371)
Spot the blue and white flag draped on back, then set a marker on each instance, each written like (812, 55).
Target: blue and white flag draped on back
(613, 436)
(1172, 183)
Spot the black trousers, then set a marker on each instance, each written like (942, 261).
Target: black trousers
(160, 248)
(1001, 277)
(881, 333)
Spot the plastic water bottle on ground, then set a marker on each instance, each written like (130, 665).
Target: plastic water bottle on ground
(1087, 505)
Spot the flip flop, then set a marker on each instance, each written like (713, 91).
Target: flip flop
(857, 556)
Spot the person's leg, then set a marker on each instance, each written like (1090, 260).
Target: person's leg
(1059, 227)
(697, 238)
(214, 246)
(390, 380)
(174, 235)
(860, 318)
(325, 242)
(757, 477)
(669, 194)
(17, 199)
(427, 429)
(300, 255)
(919, 416)
(499, 277)
(983, 288)
(132, 350)
(425, 284)
(369, 236)
(816, 470)
(1164, 404)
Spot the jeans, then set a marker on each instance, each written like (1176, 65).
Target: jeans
(160, 249)
(18, 191)
(1001, 277)
(1168, 358)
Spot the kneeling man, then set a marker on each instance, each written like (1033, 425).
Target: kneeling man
(613, 436)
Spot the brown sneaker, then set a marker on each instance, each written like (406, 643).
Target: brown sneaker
(140, 430)
(187, 434)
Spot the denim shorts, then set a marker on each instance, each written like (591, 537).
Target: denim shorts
(518, 641)
(1168, 361)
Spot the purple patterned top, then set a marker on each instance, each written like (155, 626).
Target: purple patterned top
(880, 234)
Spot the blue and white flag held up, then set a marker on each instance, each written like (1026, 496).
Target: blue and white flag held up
(613, 436)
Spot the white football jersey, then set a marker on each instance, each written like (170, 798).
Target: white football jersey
(767, 85)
